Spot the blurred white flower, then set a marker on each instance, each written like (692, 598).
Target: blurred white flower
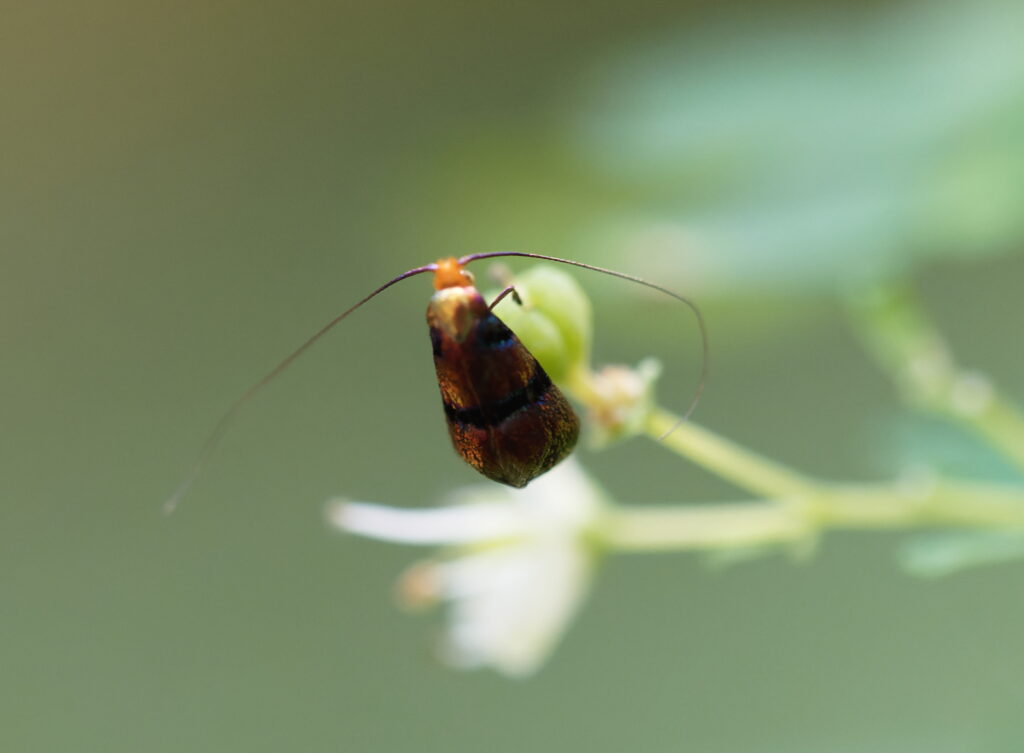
(517, 567)
(619, 400)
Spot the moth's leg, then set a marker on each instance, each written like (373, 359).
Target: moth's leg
(509, 290)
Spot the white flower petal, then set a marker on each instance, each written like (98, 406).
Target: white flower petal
(521, 572)
(443, 525)
(510, 606)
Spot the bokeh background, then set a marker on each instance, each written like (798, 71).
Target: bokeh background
(189, 189)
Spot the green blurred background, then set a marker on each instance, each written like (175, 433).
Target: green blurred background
(189, 189)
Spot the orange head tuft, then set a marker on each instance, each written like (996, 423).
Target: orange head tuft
(451, 274)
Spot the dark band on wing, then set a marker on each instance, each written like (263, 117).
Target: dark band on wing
(487, 416)
(494, 333)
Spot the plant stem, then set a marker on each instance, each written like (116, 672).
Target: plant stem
(896, 330)
(729, 460)
(894, 506)
(701, 527)
(797, 507)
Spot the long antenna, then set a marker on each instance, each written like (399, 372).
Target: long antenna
(217, 433)
(705, 349)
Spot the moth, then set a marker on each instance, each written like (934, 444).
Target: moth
(505, 416)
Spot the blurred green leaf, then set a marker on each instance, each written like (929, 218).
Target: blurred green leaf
(916, 440)
(759, 154)
(829, 153)
(943, 554)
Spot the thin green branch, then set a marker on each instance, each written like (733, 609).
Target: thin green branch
(897, 331)
(798, 508)
(792, 509)
(702, 527)
(744, 468)
(759, 524)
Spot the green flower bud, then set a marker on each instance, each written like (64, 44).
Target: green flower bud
(553, 322)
